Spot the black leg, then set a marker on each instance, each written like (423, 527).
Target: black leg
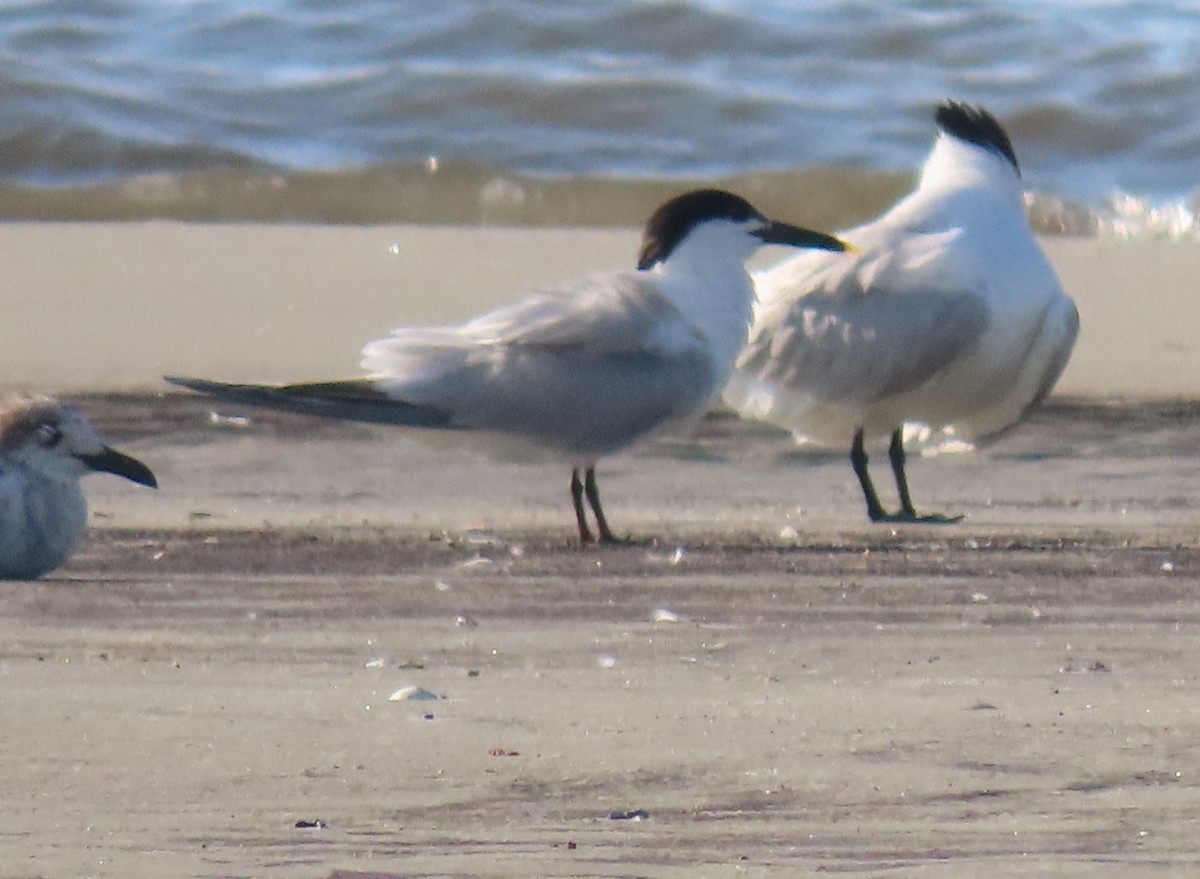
(858, 459)
(908, 512)
(585, 534)
(896, 454)
(593, 496)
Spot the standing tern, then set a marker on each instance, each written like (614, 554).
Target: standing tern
(949, 315)
(45, 448)
(575, 373)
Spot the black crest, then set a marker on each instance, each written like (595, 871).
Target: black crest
(671, 223)
(975, 125)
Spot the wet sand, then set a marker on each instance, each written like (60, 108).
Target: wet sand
(1012, 695)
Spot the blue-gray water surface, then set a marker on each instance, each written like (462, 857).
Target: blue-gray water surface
(133, 108)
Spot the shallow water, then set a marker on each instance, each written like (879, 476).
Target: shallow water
(206, 109)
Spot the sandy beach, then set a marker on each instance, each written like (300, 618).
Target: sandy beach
(763, 684)
(111, 307)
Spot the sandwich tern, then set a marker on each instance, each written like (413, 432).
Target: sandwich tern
(575, 373)
(45, 448)
(948, 315)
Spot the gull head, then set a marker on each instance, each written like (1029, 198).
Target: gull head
(57, 443)
(711, 225)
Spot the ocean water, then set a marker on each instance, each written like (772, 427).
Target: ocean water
(583, 111)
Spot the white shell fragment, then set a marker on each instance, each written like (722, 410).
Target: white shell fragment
(220, 419)
(413, 693)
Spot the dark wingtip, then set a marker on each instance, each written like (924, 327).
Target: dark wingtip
(350, 400)
(975, 125)
(222, 390)
(192, 384)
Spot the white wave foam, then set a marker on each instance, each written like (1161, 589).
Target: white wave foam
(1121, 215)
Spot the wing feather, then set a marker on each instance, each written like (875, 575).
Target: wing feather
(588, 367)
(849, 338)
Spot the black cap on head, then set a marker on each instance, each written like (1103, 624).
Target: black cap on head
(672, 222)
(975, 125)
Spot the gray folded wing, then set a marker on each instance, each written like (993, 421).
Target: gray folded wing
(585, 369)
(845, 341)
(1066, 331)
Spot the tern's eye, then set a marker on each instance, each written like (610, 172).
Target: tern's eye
(49, 436)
